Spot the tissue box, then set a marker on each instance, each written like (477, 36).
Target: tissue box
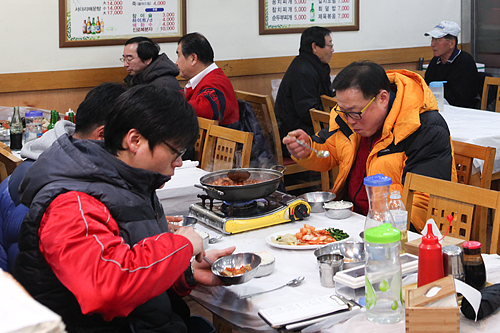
(412, 247)
(423, 318)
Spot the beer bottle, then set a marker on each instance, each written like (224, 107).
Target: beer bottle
(92, 29)
(54, 117)
(102, 26)
(84, 29)
(88, 26)
(16, 130)
(97, 26)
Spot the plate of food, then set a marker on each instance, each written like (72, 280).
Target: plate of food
(306, 238)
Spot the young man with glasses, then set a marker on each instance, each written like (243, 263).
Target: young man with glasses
(145, 65)
(384, 123)
(306, 79)
(95, 246)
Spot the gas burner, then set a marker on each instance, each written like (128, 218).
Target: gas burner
(239, 208)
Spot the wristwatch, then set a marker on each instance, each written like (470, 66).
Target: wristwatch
(189, 275)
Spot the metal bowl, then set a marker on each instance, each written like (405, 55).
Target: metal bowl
(187, 221)
(266, 265)
(235, 261)
(353, 252)
(317, 199)
(341, 212)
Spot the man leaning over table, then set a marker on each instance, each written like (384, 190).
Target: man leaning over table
(305, 80)
(385, 122)
(95, 246)
(208, 90)
(450, 64)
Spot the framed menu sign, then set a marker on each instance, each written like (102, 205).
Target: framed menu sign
(112, 22)
(293, 16)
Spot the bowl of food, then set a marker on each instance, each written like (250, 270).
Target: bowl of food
(317, 199)
(203, 235)
(266, 265)
(338, 209)
(187, 221)
(353, 252)
(237, 268)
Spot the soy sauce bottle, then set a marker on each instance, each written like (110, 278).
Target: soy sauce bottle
(16, 130)
(475, 272)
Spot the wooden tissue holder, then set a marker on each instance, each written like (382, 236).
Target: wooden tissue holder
(422, 318)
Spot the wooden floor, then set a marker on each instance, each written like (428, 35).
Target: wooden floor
(198, 310)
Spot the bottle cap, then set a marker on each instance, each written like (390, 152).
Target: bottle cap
(383, 234)
(395, 195)
(34, 114)
(429, 238)
(437, 83)
(472, 245)
(377, 180)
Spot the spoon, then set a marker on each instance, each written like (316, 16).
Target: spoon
(292, 283)
(215, 239)
(319, 153)
(238, 175)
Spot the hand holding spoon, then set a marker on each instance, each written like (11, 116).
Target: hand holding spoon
(319, 153)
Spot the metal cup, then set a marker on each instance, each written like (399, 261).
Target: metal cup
(453, 262)
(329, 265)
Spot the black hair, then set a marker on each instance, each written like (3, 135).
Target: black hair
(159, 114)
(313, 35)
(197, 43)
(451, 37)
(366, 76)
(92, 112)
(146, 48)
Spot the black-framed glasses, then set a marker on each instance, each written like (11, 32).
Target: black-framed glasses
(177, 152)
(354, 115)
(127, 59)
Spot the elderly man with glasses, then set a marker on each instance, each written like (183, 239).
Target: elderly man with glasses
(384, 123)
(145, 65)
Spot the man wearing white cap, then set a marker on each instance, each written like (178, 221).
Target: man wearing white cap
(450, 64)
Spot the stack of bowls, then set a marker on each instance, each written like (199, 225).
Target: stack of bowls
(317, 199)
(353, 252)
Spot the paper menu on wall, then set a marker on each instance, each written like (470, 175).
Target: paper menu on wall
(307, 309)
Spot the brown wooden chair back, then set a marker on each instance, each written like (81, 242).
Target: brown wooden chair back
(328, 103)
(204, 125)
(221, 149)
(490, 81)
(459, 200)
(9, 161)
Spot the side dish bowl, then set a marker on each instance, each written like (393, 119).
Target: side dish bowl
(266, 265)
(353, 252)
(317, 199)
(338, 209)
(236, 261)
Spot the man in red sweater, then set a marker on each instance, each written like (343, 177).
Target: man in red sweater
(208, 90)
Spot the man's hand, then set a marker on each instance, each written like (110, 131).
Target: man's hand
(203, 271)
(172, 227)
(293, 147)
(195, 240)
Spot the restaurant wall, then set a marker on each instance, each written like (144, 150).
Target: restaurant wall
(30, 32)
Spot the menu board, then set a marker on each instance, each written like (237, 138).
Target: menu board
(293, 16)
(112, 22)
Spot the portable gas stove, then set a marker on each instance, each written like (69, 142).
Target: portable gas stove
(234, 217)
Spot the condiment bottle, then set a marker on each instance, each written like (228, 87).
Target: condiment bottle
(475, 272)
(16, 130)
(430, 259)
(400, 216)
(377, 189)
(383, 283)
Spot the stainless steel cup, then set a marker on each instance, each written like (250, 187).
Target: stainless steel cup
(329, 265)
(453, 262)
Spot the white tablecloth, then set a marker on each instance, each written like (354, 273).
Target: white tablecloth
(475, 126)
(293, 263)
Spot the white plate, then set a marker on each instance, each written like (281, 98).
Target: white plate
(294, 247)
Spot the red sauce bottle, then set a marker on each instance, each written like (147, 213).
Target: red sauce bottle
(430, 259)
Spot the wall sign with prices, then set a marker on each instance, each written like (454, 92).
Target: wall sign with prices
(112, 22)
(294, 16)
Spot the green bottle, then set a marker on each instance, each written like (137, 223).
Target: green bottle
(54, 117)
(312, 12)
(92, 28)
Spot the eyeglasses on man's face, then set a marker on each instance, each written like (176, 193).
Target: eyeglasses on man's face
(127, 59)
(354, 115)
(177, 152)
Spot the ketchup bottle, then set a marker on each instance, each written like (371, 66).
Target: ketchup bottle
(430, 259)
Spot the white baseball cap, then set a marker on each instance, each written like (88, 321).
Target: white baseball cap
(444, 28)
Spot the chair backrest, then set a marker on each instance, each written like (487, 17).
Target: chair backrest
(9, 161)
(490, 81)
(446, 197)
(328, 103)
(464, 154)
(264, 111)
(204, 125)
(221, 149)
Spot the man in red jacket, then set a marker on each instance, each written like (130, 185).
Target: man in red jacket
(208, 90)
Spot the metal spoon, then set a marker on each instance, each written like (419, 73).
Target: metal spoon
(215, 239)
(319, 153)
(238, 175)
(292, 283)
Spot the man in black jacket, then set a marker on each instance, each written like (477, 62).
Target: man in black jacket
(307, 78)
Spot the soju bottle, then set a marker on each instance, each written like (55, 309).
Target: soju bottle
(54, 117)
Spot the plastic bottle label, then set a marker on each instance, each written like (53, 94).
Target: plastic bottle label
(400, 218)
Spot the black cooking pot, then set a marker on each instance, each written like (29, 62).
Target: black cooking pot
(269, 182)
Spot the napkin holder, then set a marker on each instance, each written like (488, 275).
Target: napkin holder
(421, 310)
(412, 247)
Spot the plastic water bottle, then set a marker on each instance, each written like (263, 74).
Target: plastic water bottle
(437, 88)
(377, 190)
(383, 283)
(400, 215)
(34, 121)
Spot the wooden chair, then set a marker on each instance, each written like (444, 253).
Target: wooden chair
(204, 125)
(328, 103)
(8, 162)
(320, 120)
(490, 81)
(264, 111)
(221, 149)
(464, 154)
(446, 198)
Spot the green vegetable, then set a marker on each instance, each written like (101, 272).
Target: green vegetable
(338, 234)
